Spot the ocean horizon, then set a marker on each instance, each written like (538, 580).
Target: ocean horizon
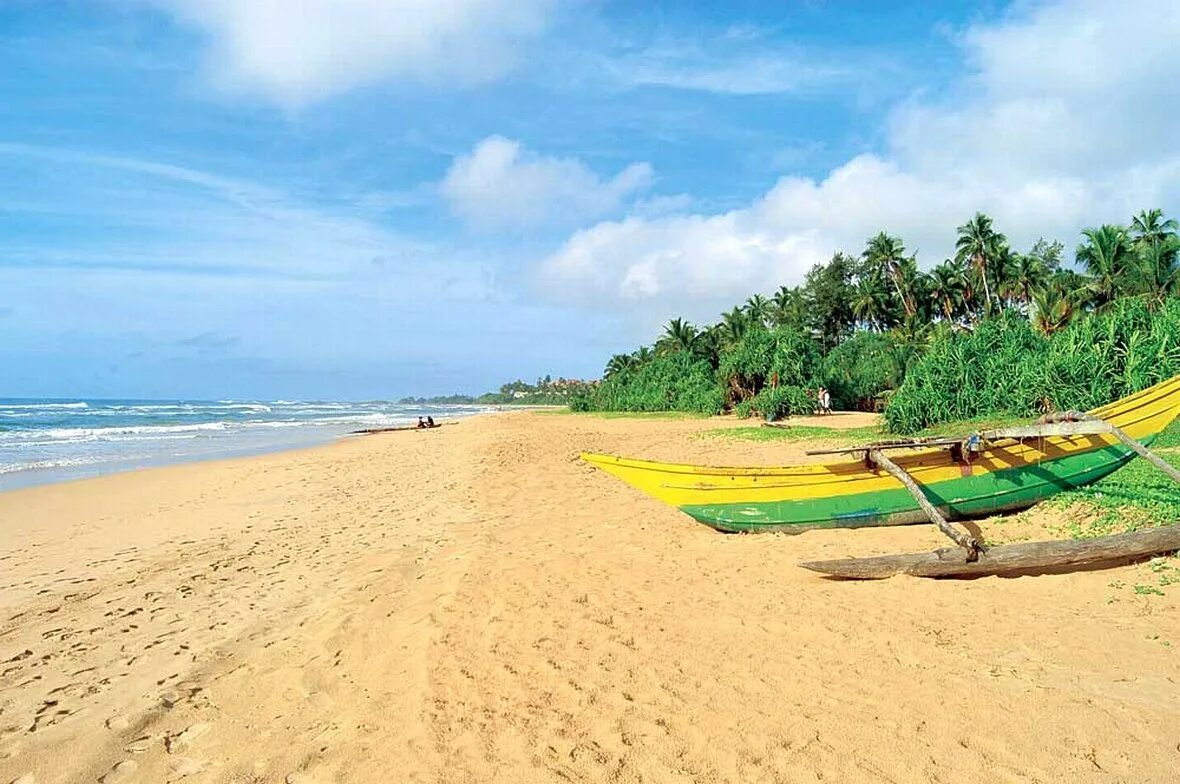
(46, 440)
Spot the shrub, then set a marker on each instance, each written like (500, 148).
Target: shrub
(1004, 367)
(676, 381)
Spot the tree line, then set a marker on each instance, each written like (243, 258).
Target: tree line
(858, 323)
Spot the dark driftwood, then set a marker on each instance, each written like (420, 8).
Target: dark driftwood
(971, 547)
(1025, 557)
(368, 431)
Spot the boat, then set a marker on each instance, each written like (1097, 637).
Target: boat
(980, 474)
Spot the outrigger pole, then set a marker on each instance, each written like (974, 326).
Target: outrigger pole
(973, 558)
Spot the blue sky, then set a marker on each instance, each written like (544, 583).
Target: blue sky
(371, 198)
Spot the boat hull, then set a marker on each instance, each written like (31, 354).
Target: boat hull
(1008, 476)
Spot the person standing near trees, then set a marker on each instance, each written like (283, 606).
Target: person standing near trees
(824, 400)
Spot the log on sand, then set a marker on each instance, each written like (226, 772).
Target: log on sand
(368, 431)
(1029, 557)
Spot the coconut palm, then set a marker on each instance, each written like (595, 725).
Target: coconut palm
(1160, 268)
(787, 307)
(619, 363)
(1106, 255)
(979, 246)
(1027, 275)
(734, 325)
(884, 256)
(1053, 309)
(1150, 228)
(870, 303)
(679, 335)
(759, 309)
(947, 288)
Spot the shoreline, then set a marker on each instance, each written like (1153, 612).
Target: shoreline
(483, 606)
(314, 436)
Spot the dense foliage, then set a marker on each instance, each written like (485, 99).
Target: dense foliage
(1007, 367)
(989, 331)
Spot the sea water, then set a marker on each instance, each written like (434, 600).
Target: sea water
(54, 440)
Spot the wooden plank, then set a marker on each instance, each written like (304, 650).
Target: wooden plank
(999, 559)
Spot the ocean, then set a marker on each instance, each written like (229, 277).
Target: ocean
(54, 440)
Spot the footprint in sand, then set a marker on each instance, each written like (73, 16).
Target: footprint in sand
(177, 742)
(121, 772)
(186, 766)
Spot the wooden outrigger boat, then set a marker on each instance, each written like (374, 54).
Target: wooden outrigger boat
(985, 473)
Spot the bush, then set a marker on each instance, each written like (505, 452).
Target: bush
(784, 401)
(859, 370)
(670, 382)
(1006, 368)
(765, 358)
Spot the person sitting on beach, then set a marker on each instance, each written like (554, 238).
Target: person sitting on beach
(430, 421)
(421, 422)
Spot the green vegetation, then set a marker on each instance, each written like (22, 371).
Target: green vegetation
(851, 436)
(1136, 496)
(1007, 367)
(546, 392)
(991, 332)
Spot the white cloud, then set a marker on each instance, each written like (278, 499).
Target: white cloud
(296, 52)
(502, 185)
(1065, 119)
(743, 73)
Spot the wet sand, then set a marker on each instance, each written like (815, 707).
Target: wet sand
(473, 604)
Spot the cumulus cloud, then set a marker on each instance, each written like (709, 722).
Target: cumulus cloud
(299, 52)
(1065, 119)
(500, 185)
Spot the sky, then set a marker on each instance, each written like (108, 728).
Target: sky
(361, 199)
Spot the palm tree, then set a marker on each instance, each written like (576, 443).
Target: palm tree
(1107, 256)
(885, 255)
(787, 307)
(1160, 266)
(708, 344)
(979, 245)
(619, 363)
(870, 302)
(734, 325)
(947, 288)
(1053, 309)
(679, 335)
(758, 308)
(1027, 275)
(1149, 228)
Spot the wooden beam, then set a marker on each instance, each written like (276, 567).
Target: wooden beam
(999, 559)
(963, 539)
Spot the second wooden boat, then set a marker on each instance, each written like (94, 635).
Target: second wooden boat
(1004, 475)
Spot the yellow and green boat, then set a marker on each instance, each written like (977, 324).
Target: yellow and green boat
(1004, 475)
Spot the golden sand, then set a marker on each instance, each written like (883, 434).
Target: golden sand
(473, 604)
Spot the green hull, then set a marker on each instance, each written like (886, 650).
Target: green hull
(970, 496)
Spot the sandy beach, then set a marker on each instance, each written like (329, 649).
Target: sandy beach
(474, 604)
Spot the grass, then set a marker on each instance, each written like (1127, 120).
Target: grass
(1134, 497)
(853, 436)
